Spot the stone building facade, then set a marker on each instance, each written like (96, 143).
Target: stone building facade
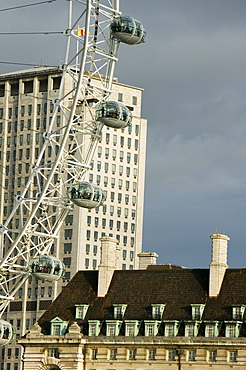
(159, 317)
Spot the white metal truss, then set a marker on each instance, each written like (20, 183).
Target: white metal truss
(90, 58)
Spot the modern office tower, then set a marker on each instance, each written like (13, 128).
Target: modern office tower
(26, 106)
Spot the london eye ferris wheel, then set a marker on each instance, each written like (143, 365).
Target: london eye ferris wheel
(90, 59)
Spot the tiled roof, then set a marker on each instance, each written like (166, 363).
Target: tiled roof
(139, 289)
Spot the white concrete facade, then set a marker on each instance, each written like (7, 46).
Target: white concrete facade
(26, 106)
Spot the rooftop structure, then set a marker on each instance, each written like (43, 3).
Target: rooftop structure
(159, 315)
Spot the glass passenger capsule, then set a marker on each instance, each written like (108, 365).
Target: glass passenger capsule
(47, 268)
(86, 195)
(113, 114)
(128, 30)
(6, 332)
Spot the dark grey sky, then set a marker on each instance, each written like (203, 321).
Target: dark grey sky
(193, 71)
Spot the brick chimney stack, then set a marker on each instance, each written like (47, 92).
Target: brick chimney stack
(218, 264)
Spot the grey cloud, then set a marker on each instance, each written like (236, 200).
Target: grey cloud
(192, 69)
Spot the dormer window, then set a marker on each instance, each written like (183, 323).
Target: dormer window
(80, 311)
(119, 311)
(197, 311)
(171, 328)
(58, 326)
(113, 328)
(191, 328)
(232, 328)
(157, 311)
(94, 327)
(212, 328)
(132, 327)
(151, 328)
(238, 312)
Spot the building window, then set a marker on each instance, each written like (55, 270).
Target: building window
(191, 355)
(42, 291)
(113, 328)
(87, 261)
(94, 327)
(151, 328)
(69, 219)
(67, 247)
(189, 330)
(50, 291)
(113, 354)
(197, 311)
(232, 329)
(66, 276)
(157, 311)
(58, 326)
(212, 329)
(134, 100)
(53, 352)
(171, 355)
(80, 311)
(94, 353)
(171, 329)
(238, 312)
(152, 354)
(212, 356)
(120, 97)
(132, 354)
(131, 328)
(99, 165)
(68, 233)
(119, 310)
(232, 356)
(120, 170)
(131, 255)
